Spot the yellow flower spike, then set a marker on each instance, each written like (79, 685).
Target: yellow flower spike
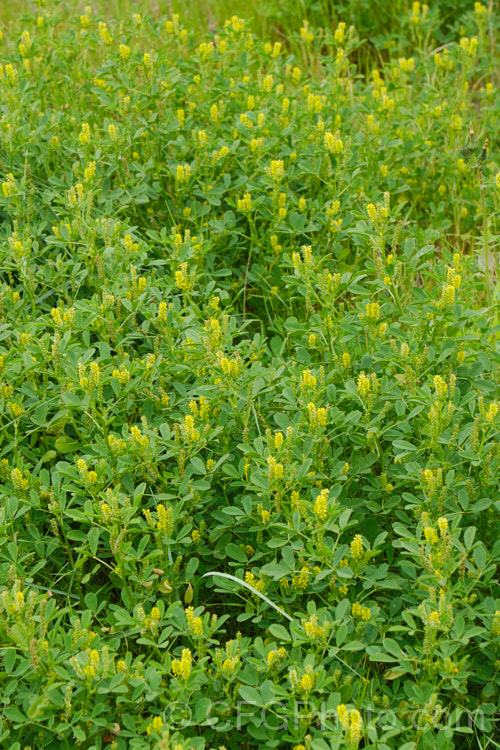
(155, 726)
(181, 668)
(363, 384)
(357, 549)
(321, 505)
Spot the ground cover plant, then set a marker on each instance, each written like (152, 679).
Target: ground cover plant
(249, 377)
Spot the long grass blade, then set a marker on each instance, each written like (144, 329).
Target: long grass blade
(250, 588)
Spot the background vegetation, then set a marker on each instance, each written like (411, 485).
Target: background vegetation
(249, 373)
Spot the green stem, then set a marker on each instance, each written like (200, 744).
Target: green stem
(485, 242)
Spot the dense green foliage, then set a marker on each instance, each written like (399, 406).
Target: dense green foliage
(249, 372)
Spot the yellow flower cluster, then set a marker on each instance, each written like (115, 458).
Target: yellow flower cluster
(92, 665)
(195, 624)
(258, 584)
(275, 469)
(372, 311)
(434, 619)
(430, 535)
(15, 409)
(9, 186)
(308, 380)
(418, 13)
(444, 60)
(317, 416)
(275, 656)
(495, 624)
(138, 438)
(230, 367)
(443, 525)
(18, 479)
(229, 664)
(75, 195)
(440, 386)
(199, 408)
(351, 722)
(339, 33)
(189, 432)
(182, 172)
(277, 169)
(447, 296)
(91, 381)
(357, 548)
(363, 384)
(433, 479)
(305, 683)
(306, 34)
(314, 630)
(301, 580)
(492, 412)
(122, 375)
(87, 476)
(469, 46)
(333, 143)
(406, 64)
(116, 444)
(155, 726)
(321, 505)
(181, 668)
(104, 33)
(359, 610)
(85, 134)
(245, 203)
(278, 441)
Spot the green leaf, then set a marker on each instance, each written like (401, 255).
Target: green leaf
(9, 659)
(93, 540)
(353, 646)
(91, 601)
(236, 553)
(71, 399)
(341, 634)
(14, 714)
(276, 570)
(297, 221)
(250, 695)
(280, 632)
(198, 465)
(480, 556)
(65, 444)
(288, 557)
(404, 445)
(469, 534)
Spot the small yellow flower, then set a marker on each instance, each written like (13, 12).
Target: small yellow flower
(359, 610)
(443, 525)
(364, 384)
(155, 725)
(357, 550)
(440, 387)
(430, 535)
(245, 203)
(182, 667)
(373, 310)
(321, 505)
(434, 619)
(306, 683)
